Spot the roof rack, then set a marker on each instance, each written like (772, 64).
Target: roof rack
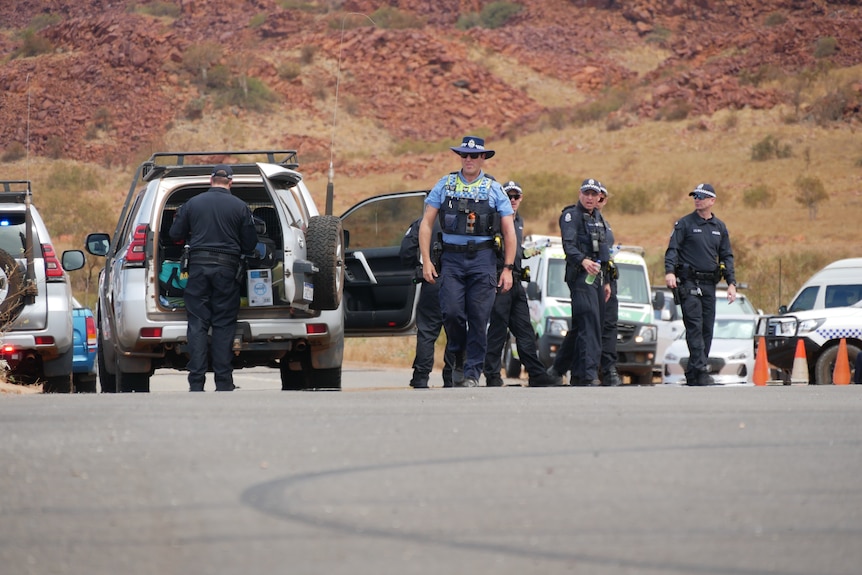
(19, 188)
(158, 163)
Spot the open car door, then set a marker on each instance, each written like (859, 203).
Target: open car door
(379, 294)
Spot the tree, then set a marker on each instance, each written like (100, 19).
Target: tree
(810, 191)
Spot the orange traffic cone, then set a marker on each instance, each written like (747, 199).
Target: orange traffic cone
(800, 365)
(761, 368)
(841, 373)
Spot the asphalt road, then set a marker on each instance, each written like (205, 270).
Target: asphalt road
(383, 479)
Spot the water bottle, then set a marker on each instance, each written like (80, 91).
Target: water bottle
(591, 278)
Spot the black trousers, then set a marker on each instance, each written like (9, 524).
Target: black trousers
(212, 302)
(429, 322)
(511, 314)
(610, 318)
(698, 317)
(587, 301)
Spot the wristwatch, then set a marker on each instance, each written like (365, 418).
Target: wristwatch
(509, 267)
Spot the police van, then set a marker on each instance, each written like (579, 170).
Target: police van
(550, 306)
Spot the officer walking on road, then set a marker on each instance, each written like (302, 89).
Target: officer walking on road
(429, 318)
(472, 208)
(697, 255)
(218, 229)
(511, 313)
(587, 252)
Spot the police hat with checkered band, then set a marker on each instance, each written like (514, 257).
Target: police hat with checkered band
(591, 184)
(704, 189)
(473, 145)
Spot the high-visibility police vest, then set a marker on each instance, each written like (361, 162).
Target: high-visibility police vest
(466, 209)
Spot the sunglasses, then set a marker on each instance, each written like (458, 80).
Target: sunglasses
(473, 156)
(699, 196)
(514, 196)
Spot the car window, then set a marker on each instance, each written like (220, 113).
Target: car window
(12, 234)
(733, 329)
(380, 222)
(741, 305)
(632, 286)
(806, 300)
(843, 295)
(557, 286)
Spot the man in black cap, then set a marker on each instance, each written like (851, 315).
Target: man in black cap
(471, 208)
(585, 243)
(697, 256)
(511, 313)
(218, 228)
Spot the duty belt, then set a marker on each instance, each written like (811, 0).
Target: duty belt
(706, 276)
(207, 257)
(472, 246)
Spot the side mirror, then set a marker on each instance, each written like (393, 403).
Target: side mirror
(782, 309)
(72, 260)
(658, 301)
(98, 244)
(534, 292)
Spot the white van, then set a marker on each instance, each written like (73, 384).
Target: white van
(837, 285)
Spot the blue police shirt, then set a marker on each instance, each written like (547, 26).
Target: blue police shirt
(497, 199)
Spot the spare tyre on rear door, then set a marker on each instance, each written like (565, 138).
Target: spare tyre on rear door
(11, 289)
(326, 251)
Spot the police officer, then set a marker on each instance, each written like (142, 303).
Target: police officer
(585, 245)
(511, 313)
(218, 228)
(429, 318)
(472, 208)
(611, 309)
(698, 250)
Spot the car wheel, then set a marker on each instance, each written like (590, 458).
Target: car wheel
(11, 289)
(84, 382)
(642, 379)
(58, 384)
(107, 380)
(306, 377)
(513, 366)
(131, 382)
(825, 365)
(325, 241)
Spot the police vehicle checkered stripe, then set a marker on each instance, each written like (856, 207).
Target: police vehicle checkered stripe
(846, 332)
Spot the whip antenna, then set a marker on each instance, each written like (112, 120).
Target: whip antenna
(330, 187)
(27, 145)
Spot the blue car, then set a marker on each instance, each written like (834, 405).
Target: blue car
(84, 347)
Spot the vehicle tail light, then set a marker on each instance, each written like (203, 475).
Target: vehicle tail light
(315, 328)
(137, 249)
(8, 349)
(151, 333)
(53, 269)
(44, 340)
(91, 333)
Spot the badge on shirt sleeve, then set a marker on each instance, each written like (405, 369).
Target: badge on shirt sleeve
(568, 217)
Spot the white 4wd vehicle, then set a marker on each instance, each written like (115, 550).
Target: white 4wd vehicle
(821, 331)
(296, 322)
(35, 295)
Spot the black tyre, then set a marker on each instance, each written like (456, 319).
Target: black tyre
(642, 379)
(107, 380)
(825, 365)
(325, 240)
(58, 384)
(511, 363)
(304, 377)
(131, 382)
(11, 289)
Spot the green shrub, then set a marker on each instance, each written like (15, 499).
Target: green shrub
(54, 147)
(389, 17)
(14, 152)
(102, 118)
(825, 46)
(42, 21)
(247, 93)
(32, 44)
(218, 77)
(289, 70)
(159, 9)
(631, 200)
(761, 74)
(659, 35)
(257, 20)
(195, 108)
(674, 111)
(830, 107)
(199, 58)
(493, 15)
(774, 19)
(306, 53)
(810, 191)
(768, 148)
(758, 197)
